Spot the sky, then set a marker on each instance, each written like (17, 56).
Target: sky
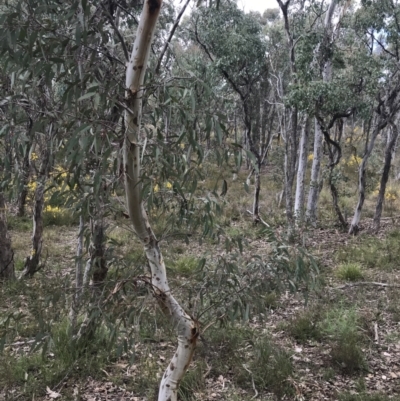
(257, 5)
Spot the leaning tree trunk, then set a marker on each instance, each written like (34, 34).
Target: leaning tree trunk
(187, 327)
(6, 252)
(362, 179)
(32, 262)
(385, 176)
(301, 172)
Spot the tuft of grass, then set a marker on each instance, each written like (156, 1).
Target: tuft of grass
(373, 252)
(58, 216)
(271, 368)
(305, 327)
(185, 265)
(192, 382)
(16, 223)
(341, 326)
(57, 356)
(350, 272)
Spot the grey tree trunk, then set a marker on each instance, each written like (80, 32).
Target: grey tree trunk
(390, 146)
(301, 172)
(313, 194)
(32, 262)
(362, 179)
(6, 252)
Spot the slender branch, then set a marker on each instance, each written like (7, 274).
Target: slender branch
(120, 37)
(366, 283)
(171, 34)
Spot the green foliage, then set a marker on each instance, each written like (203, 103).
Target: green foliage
(244, 355)
(185, 265)
(342, 327)
(373, 252)
(192, 382)
(271, 368)
(32, 372)
(19, 223)
(55, 216)
(349, 272)
(306, 326)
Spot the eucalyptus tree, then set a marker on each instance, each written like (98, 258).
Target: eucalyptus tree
(376, 24)
(234, 45)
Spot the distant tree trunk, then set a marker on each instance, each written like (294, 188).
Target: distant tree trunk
(97, 253)
(76, 298)
(301, 172)
(187, 327)
(290, 164)
(6, 252)
(256, 200)
(24, 173)
(32, 262)
(362, 179)
(391, 143)
(312, 202)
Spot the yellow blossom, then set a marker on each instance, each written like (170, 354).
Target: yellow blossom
(156, 188)
(168, 185)
(310, 157)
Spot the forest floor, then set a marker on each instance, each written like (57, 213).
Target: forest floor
(342, 344)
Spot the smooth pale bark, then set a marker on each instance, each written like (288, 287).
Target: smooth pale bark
(291, 136)
(301, 172)
(390, 146)
(312, 202)
(314, 191)
(354, 227)
(6, 252)
(187, 328)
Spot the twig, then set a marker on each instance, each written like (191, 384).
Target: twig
(360, 283)
(376, 332)
(252, 381)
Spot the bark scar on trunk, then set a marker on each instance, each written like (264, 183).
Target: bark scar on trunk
(153, 5)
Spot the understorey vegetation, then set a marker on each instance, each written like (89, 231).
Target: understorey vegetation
(199, 203)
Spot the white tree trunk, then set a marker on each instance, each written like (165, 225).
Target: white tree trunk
(362, 180)
(311, 213)
(187, 328)
(389, 153)
(301, 172)
(312, 202)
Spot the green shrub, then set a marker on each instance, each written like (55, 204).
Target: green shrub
(350, 272)
(341, 327)
(305, 327)
(373, 252)
(271, 368)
